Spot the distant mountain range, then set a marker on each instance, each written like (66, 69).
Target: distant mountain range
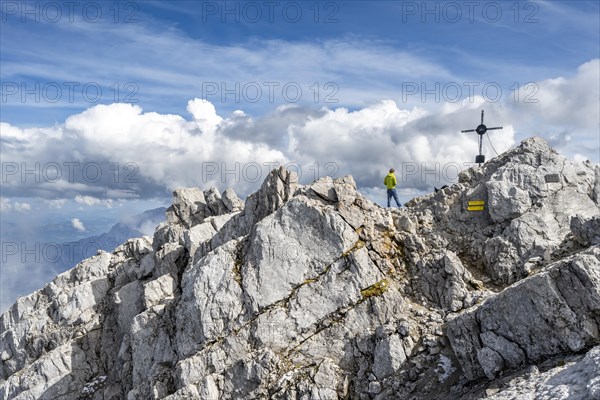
(28, 265)
(133, 226)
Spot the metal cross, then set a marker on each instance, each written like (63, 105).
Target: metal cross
(481, 130)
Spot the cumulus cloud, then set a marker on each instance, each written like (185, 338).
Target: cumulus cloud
(205, 114)
(7, 205)
(56, 203)
(426, 149)
(119, 151)
(93, 201)
(22, 207)
(565, 111)
(78, 225)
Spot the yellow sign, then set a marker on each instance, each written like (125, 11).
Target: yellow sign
(476, 205)
(475, 208)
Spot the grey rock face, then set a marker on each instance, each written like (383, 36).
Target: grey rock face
(305, 241)
(553, 312)
(576, 379)
(586, 231)
(314, 292)
(389, 356)
(525, 218)
(191, 206)
(231, 201)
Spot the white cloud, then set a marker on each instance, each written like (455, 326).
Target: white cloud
(568, 100)
(564, 110)
(426, 149)
(22, 207)
(7, 205)
(169, 64)
(145, 154)
(78, 225)
(56, 203)
(147, 228)
(93, 201)
(205, 114)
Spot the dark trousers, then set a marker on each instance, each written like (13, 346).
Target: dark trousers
(392, 193)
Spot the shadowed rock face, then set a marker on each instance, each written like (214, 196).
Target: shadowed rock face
(305, 292)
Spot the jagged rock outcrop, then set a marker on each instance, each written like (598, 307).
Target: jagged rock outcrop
(314, 292)
(555, 311)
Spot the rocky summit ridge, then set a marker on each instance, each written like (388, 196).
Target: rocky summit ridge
(314, 292)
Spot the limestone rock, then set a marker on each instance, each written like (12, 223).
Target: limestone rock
(553, 312)
(586, 231)
(189, 207)
(300, 242)
(306, 292)
(576, 379)
(389, 356)
(231, 201)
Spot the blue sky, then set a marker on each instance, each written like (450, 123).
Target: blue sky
(161, 53)
(114, 93)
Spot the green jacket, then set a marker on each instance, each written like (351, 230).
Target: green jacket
(390, 180)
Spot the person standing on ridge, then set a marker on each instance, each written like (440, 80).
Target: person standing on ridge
(390, 183)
